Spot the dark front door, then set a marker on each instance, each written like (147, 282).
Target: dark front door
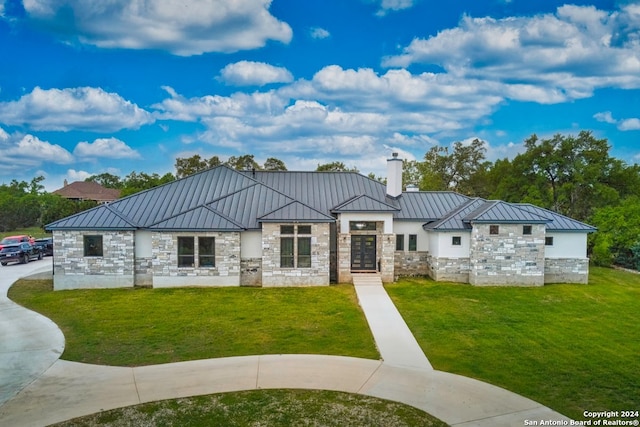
(363, 253)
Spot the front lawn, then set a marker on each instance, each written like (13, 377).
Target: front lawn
(133, 327)
(570, 347)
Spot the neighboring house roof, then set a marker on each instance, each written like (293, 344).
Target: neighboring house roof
(84, 190)
(223, 199)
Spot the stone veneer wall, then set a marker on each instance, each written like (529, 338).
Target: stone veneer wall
(251, 272)
(144, 271)
(449, 269)
(411, 264)
(508, 258)
(273, 275)
(566, 270)
(386, 255)
(166, 272)
(72, 270)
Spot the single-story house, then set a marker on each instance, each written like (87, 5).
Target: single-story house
(87, 190)
(223, 227)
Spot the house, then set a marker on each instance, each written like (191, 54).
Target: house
(85, 190)
(223, 227)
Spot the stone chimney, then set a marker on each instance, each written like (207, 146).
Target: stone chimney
(394, 176)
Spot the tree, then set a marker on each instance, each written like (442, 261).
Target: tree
(245, 162)
(618, 234)
(273, 164)
(107, 180)
(136, 182)
(189, 165)
(335, 167)
(462, 170)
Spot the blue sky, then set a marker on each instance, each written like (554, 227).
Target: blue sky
(93, 86)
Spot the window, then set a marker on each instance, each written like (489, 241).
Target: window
(206, 251)
(93, 246)
(186, 252)
(304, 252)
(362, 226)
(399, 242)
(548, 241)
(413, 242)
(494, 229)
(295, 251)
(286, 252)
(456, 240)
(526, 229)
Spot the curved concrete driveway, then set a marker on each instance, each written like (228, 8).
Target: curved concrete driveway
(68, 389)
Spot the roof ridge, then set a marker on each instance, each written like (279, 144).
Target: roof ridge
(290, 203)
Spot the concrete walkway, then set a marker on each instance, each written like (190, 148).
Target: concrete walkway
(67, 389)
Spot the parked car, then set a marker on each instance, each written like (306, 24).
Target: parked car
(20, 252)
(45, 245)
(10, 240)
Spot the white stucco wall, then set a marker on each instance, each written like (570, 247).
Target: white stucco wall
(251, 244)
(387, 218)
(440, 245)
(409, 227)
(566, 245)
(144, 244)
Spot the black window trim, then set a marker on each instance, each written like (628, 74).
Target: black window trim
(85, 241)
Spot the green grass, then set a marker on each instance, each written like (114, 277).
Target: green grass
(134, 327)
(36, 232)
(570, 347)
(265, 408)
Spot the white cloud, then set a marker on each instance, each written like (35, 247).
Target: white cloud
(83, 108)
(110, 148)
(605, 117)
(248, 73)
(629, 124)
(28, 151)
(394, 5)
(319, 33)
(545, 58)
(74, 175)
(186, 27)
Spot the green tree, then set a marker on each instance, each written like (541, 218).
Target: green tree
(618, 235)
(136, 182)
(189, 165)
(245, 162)
(107, 180)
(273, 164)
(335, 167)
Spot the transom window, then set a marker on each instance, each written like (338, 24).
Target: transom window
(362, 225)
(93, 245)
(295, 247)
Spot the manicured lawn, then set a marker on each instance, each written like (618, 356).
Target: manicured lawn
(570, 347)
(272, 408)
(133, 327)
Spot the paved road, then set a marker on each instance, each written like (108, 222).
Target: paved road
(43, 390)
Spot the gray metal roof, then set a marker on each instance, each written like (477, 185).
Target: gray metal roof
(364, 203)
(503, 212)
(222, 198)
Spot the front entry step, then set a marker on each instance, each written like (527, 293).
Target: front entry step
(367, 279)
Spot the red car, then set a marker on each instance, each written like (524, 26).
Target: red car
(12, 240)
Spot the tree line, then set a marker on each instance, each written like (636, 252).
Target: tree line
(572, 175)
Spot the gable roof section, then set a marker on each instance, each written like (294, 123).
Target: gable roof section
(99, 218)
(558, 222)
(428, 205)
(296, 211)
(503, 212)
(453, 221)
(200, 218)
(364, 203)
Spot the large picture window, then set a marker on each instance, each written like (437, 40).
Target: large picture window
(93, 245)
(186, 252)
(295, 250)
(206, 251)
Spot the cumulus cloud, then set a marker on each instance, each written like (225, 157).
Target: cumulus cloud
(605, 117)
(83, 108)
(545, 58)
(111, 148)
(249, 73)
(28, 151)
(394, 5)
(629, 124)
(319, 33)
(623, 124)
(187, 27)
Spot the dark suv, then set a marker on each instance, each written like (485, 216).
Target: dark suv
(20, 252)
(45, 245)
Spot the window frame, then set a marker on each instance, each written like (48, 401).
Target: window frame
(98, 250)
(287, 259)
(413, 242)
(456, 240)
(527, 230)
(206, 256)
(296, 246)
(548, 240)
(494, 230)
(399, 242)
(303, 259)
(186, 256)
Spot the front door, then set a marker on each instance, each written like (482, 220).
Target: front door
(363, 253)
